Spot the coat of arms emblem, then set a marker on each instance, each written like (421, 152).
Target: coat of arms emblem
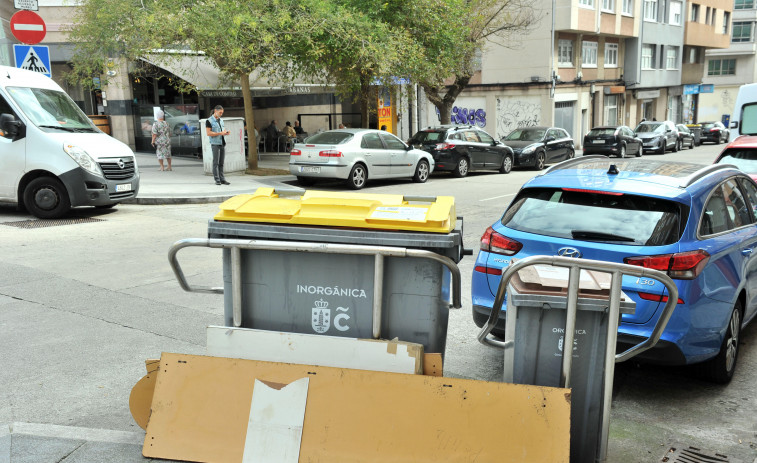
(321, 319)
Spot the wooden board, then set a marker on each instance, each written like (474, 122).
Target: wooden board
(313, 349)
(201, 410)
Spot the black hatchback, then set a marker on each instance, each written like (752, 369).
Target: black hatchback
(613, 140)
(461, 149)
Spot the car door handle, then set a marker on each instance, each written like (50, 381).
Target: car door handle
(746, 252)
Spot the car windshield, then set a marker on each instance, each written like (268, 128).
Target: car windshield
(51, 109)
(329, 138)
(601, 131)
(526, 135)
(744, 159)
(428, 136)
(621, 218)
(648, 128)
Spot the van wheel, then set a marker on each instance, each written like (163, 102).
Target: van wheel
(46, 198)
(720, 368)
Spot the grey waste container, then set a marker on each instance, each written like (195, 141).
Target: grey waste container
(539, 347)
(333, 294)
(696, 130)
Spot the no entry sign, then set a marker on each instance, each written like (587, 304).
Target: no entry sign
(28, 27)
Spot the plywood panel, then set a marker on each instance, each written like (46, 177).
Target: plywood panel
(201, 408)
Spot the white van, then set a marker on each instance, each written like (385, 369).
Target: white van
(744, 115)
(52, 157)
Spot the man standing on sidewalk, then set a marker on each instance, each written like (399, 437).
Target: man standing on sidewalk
(214, 129)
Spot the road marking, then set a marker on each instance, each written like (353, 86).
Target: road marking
(497, 197)
(74, 432)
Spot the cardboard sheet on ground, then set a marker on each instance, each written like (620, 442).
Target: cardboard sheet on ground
(201, 410)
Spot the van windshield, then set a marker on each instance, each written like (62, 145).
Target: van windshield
(51, 109)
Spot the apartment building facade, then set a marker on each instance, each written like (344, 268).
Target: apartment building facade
(729, 68)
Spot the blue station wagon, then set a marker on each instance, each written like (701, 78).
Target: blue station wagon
(698, 224)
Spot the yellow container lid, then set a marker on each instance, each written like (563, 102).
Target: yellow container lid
(335, 209)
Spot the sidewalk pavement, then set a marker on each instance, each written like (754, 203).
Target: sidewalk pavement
(187, 182)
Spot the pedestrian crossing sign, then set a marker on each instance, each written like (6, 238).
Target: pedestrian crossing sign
(33, 58)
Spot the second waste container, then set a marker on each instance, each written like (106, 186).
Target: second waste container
(333, 294)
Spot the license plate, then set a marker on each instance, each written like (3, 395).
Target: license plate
(312, 170)
(123, 187)
(599, 141)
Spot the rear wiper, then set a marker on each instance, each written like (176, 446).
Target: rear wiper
(67, 129)
(593, 235)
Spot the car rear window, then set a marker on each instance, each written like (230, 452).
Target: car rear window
(329, 138)
(429, 136)
(600, 132)
(743, 158)
(587, 216)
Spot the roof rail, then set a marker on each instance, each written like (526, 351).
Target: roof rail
(575, 160)
(704, 172)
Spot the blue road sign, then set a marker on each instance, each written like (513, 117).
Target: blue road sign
(33, 58)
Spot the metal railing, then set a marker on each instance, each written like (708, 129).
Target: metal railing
(575, 266)
(237, 245)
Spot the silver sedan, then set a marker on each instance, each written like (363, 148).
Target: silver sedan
(357, 155)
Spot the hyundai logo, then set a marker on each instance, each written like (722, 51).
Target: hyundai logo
(569, 252)
(121, 163)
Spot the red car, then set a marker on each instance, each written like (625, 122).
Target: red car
(742, 153)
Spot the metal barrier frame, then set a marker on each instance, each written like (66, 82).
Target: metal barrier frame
(236, 246)
(575, 266)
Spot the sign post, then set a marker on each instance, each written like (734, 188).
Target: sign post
(28, 27)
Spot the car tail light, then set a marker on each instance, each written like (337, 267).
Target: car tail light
(714, 130)
(445, 146)
(296, 152)
(330, 154)
(499, 244)
(681, 265)
(490, 271)
(581, 190)
(656, 297)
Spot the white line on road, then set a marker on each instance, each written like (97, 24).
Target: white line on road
(497, 197)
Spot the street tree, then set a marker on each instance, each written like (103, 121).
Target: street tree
(239, 36)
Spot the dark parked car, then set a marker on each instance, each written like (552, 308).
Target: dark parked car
(685, 137)
(460, 149)
(715, 132)
(658, 136)
(537, 146)
(613, 140)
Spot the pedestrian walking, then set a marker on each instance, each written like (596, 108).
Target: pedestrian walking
(214, 129)
(161, 140)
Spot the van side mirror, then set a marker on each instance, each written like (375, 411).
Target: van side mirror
(10, 125)
(734, 125)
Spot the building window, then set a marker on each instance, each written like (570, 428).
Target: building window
(743, 4)
(611, 55)
(671, 58)
(693, 55)
(608, 5)
(647, 56)
(586, 3)
(713, 16)
(650, 10)
(707, 15)
(628, 7)
(589, 54)
(721, 67)
(675, 13)
(565, 52)
(611, 109)
(742, 31)
(726, 21)
(694, 12)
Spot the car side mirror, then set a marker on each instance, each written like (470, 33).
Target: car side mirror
(495, 143)
(10, 125)
(408, 147)
(549, 139)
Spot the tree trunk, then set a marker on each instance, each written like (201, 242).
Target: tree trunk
(444, 102)
(365, 100)
(249, 117)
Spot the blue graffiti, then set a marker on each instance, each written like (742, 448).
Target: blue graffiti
(466, 116)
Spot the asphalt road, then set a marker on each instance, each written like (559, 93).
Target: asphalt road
(83, 305)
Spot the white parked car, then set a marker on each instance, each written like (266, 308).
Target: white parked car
(357, 155)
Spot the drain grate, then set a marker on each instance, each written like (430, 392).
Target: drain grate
(679, 454)
(42, 223)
